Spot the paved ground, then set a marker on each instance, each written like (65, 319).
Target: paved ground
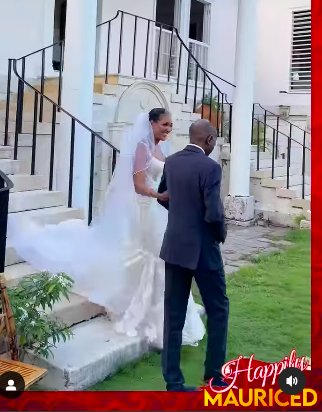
(243, 243)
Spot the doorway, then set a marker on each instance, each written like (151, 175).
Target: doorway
(199, 32)
(59, 31)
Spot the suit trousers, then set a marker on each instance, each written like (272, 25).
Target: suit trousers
(212, 287)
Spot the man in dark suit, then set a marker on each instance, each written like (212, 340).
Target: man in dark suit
(196, 227)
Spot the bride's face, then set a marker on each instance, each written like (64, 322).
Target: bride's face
(162, 128)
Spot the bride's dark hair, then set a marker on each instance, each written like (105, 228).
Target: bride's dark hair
(156, 114)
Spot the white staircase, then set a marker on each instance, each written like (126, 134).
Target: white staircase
(95, 351)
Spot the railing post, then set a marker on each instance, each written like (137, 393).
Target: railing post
(6, 127)
(147, 49)
(303, 166)
(134, 45)
(71, 164)
(203, 93)
(4, 207)
(222, 115)
(91, 181)
(288, 163)
(158, 53)
(60, 74)
(121, 44)
(211, 91)
(42, 86)
(170, 55)
(18, 116)
(253, 114)
(277, 133)
(265, 119)
(230, 118)
(187, 79)
(114, 160)
(273, 155)
(52, 149)
(218, 110)
(34, 136)
(258, 125)
(195, 94)
(22, 89)
(107, 51)
(179, 67)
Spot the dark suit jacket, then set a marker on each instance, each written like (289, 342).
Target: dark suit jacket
(196, 224)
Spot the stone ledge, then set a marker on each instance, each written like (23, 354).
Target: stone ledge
(95, 352)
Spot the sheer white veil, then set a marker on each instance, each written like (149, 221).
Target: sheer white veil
(95, 257)
(136, 150)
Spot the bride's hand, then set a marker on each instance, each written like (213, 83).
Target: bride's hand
(163, 197)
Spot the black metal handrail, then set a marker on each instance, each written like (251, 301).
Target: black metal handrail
(284, 120)
(5, 186)
(195, 83)
(40, 50)
(192, 83)
(56, 107)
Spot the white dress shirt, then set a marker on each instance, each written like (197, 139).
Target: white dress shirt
(195, 145)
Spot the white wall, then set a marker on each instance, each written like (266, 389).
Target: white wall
(25, 26)
(274, 54)
(143, 8)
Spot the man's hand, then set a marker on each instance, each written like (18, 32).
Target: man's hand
(163, 197)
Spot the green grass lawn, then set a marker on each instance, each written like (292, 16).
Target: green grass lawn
(269, 316)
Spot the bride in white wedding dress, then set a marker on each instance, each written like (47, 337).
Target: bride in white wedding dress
(115, 262)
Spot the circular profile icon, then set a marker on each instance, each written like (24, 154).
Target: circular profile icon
(292, 381)
(12, 385)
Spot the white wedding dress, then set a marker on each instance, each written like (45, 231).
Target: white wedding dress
(114, 265)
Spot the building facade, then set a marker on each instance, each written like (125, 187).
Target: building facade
(208, 27)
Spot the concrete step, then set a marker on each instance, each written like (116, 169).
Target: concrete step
(24, 139)
(76, 310)
(53, 215)
(24, 182)
(277, 218)
(14, 273)
(12, 167)
(266, 173)
(304, 204)
(281, 182)
(266, 163)
(177, 98)
(95, 352)
(27, 127)
(12, 257)
(262, 155)
(36, 199)
(295, 180)
(294, 192)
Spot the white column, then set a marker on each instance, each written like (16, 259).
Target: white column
(77, 96)
(245, 65)
(184, 25)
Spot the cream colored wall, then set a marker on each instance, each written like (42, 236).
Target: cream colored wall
(274, 54)
(143, 8)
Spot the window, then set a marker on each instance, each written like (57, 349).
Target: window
(165, 12)
(300, 76)
(197, 16)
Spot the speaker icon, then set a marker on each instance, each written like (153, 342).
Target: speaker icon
(291, 381)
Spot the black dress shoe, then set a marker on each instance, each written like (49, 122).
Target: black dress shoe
(216, 383)
(181, 388)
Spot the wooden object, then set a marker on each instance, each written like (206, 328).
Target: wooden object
(31, 374)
